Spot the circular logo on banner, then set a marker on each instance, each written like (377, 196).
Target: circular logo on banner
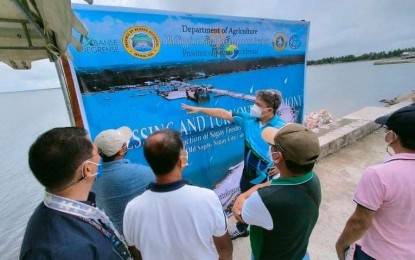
(141, 42)
(232, 52)
(279, 42)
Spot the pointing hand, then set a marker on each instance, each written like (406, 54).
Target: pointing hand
(190, 109)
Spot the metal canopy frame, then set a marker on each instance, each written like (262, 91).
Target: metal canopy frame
(32, 19)
(28, 37)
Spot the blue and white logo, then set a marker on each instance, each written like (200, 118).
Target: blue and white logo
(294, 42)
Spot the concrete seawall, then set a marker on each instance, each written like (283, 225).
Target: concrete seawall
(393, 61)
(352, 127)
(348, 145)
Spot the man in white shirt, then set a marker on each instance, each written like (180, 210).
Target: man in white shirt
(174, 220)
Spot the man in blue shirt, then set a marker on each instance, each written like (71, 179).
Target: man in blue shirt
(121, 180)
(257, 164)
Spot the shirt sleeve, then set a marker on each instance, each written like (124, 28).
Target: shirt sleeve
(126, 227)
(255, 213)
(239, 118)
(221, 224)
(147, 174)
(370, 191)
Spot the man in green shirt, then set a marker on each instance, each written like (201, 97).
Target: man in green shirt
(282, 213)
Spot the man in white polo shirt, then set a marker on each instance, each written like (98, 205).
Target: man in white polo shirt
(174, 220)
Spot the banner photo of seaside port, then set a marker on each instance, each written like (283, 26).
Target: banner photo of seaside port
(137, 67)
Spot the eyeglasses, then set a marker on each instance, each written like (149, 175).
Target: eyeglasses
(279, 150)
(278, 145)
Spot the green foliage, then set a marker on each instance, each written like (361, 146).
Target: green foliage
(367, 56)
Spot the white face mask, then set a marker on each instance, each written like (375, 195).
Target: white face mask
(187, 158)
(256, 111)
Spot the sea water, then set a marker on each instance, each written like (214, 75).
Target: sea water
(341, 89)
(23, 116)
(347, 87)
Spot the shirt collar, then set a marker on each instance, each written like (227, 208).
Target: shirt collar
(120, 161)
(293, 180)
(274, 121)
(156, 187)
(400, 156)
(91, 199)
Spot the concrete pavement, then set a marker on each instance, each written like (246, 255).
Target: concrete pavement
(348, 146)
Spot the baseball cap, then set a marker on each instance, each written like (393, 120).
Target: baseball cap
(402, 121)
(296, 142)
(110, 142)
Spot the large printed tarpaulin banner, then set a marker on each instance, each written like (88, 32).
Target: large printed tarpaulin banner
(138, 66)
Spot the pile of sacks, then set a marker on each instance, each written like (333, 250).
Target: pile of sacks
(318, 119)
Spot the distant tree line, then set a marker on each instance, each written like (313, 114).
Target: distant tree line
(367, 56)
(103, 79)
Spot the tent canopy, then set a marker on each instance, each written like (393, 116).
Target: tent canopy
(32, 30)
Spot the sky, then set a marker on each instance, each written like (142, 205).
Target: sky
(337, 28)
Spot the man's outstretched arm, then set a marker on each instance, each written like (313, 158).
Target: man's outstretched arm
(213, 112)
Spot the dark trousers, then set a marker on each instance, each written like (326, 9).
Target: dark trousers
(360, 255)
(244, 185)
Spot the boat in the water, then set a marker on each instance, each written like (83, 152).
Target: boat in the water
(198, 94)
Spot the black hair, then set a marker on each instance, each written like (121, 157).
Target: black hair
(162, 150)
(56, 154)
(292, 166)
(298, 168)
(407, 141)
(111, 158)
(272, 98)
(107, 158)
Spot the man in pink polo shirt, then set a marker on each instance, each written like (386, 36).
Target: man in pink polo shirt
(383, 223)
